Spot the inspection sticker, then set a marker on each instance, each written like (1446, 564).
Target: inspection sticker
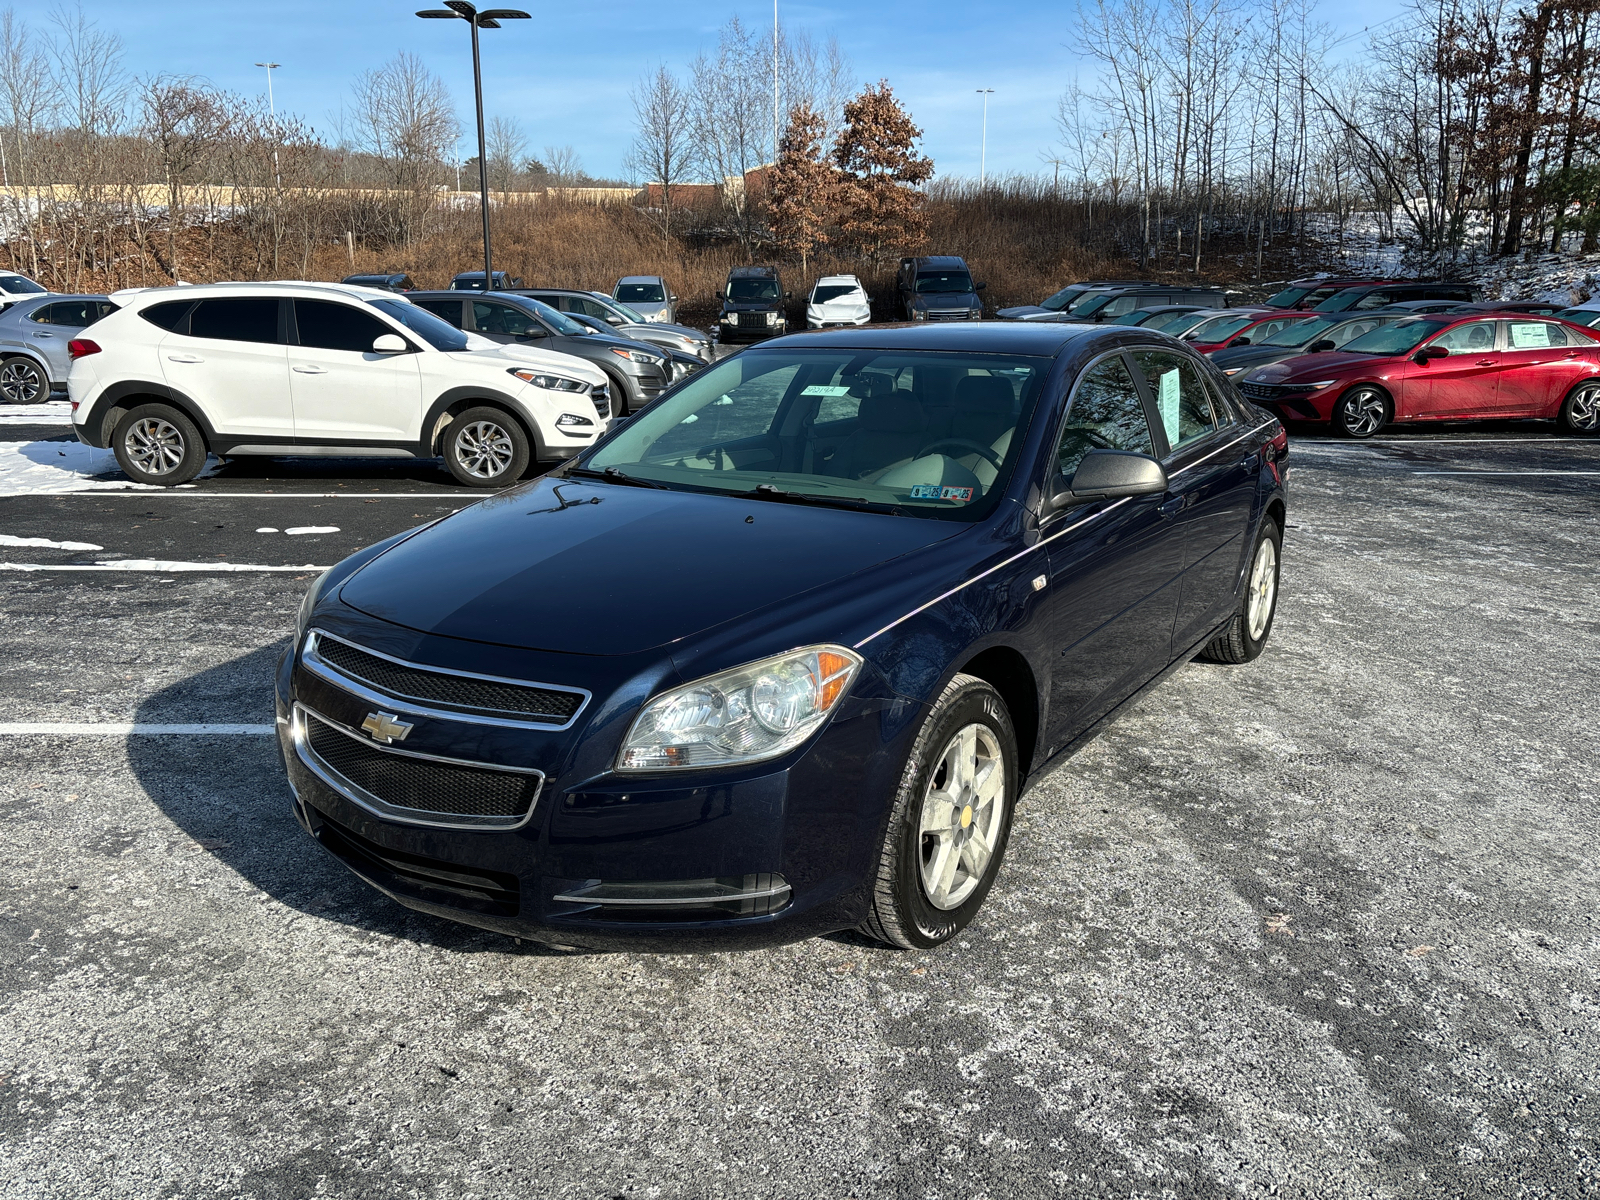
(825, 389)
(925, 491)
(955, 493)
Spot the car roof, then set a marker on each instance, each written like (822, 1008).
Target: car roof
(837, 279)
(1035, 339)
(30, 302)
(752, 272)
(940, 260)
(198, 291)
(640, 279)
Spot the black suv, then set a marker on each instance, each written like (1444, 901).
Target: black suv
(938, 288)
(397, 282)
(1365, 297)
(1100, 304)
(754, 305)
(472, 281)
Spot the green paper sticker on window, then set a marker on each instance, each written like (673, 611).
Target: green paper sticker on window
(1167, 402)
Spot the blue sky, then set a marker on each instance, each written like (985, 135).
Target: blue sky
(566, 74)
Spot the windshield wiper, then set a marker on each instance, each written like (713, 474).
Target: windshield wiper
(613, 475)
(766, 491)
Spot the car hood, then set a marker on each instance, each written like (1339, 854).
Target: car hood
(509, 357)
(642, 568)
(1243, 357)
(751, 305)
(659, 327)
(1311, 366)
(1029, 312)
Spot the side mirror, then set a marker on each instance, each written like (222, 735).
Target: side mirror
(1110, 475)
(788, 295)
(1422, 356)
(978, 287)
(613, 319)
(389, 343)
(672, 299)
(1240, 341)
(1318, 347)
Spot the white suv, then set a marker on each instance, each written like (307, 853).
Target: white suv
(323, 370)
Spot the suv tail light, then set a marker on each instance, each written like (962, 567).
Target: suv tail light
(82, 348)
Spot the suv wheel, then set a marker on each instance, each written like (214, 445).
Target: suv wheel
(485, 448)
(22, 382)
(157, 444)
(950, 821)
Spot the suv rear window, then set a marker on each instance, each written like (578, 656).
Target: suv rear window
(237, 319)
(166, 316)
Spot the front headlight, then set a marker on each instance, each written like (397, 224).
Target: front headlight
(553, 383)
(751, 713)
(919, 314)
(1231, 370)
(312, 597)
(1315, 386)
(638, 356)
(772, 318)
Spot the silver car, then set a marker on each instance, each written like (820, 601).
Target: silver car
(34, 333)
(649, 296)
(622, 319)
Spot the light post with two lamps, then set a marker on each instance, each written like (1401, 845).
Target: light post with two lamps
(489, 19)
(983, 152)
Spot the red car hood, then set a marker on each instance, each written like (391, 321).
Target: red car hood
(1306, 367)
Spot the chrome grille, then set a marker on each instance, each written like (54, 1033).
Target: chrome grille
(447, 690)
(602, 400)
(1259, 391)
(402, 784)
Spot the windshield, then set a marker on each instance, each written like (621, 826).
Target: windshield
(834, 291)
(441, 335)
(641, 293)
(622, 310)
(21, 285)
(1081, 301)
(1174, 321)
(1220, 329)
(752, 289)
(1061, 299)
(1300, 333)
(1400, 338)
(943, 281)
(936, 434)
(1289, 297)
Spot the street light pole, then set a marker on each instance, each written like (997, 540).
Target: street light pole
(272, 111)
(983, 153)
(489, 19)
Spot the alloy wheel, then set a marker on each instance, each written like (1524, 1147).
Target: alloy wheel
(1363, 413)
(484, 450)
(962, 815)
(154, 445)
(21, 381)
(1584, 410)
(1263, 589)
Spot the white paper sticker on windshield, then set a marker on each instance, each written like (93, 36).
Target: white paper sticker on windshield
(1168, 404)
(824, 389)
(1529, 335)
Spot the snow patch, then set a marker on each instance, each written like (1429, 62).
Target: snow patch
(56, 412)
(7, 539)
(268, 529)
(298, 529)
(162, 566)
(50, 468)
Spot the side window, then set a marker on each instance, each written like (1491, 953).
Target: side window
(1376, 300)
(1536, 335)
(504, 320)
(1120, 307)
(1353, 330)
(589, 308)
(448, 310)
(329, 325)
(75, 314)
(1475, 337)
(559, 303)
(166, 316)
(1106, 414)
(237, 319)
(45, 314)
(1183, 405)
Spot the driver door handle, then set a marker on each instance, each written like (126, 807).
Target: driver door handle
(184, 358)
(306, 370)
(1486, 362)
(1171, 508)
(44, 335)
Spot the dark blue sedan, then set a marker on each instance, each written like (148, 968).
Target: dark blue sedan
(778, 656)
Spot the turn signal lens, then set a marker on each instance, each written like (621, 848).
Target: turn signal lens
(751, 713)
(82, 348)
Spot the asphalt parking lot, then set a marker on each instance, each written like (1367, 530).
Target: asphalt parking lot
(1320, 926)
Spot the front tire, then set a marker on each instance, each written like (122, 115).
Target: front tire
(1580, 411)
(1246, 634)
(157, 444)
(950, 822)
(485, 448)
(1361, 412)
(22, 381)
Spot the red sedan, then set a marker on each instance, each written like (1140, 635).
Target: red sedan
(1441, 368)
(1241, 327)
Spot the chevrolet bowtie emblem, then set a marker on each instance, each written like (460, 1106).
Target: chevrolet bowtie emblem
(385, 727)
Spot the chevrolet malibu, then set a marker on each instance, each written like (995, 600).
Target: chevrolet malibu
(779, 656)
(1443, 367)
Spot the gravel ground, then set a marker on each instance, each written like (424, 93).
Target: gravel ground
(1321, 926)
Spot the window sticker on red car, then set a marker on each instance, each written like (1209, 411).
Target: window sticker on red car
(960, 494)
(1529, 335)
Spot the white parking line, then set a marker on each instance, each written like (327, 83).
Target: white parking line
(252, 495)
(118, 729)
(1506, 472)
(155, 565)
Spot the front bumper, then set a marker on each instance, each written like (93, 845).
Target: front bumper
(1289, 403)
(813, 818)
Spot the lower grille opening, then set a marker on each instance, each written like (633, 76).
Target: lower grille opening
(679, 899)
(473, 888)
(420, 785)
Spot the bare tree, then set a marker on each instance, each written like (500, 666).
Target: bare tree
(730, 104)
(25, 102)
(563, 166)
(507, 146)
(183, 120)
(663, 151)
(407, 123)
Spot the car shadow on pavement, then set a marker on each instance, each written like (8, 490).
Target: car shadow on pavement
(230, 795)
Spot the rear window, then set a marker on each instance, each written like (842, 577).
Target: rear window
(166, 316)
(75, 314)
(1288, 298)
(236, 319)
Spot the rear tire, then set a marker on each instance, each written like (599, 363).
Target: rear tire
(485, 448)
(950, 822)
(22, 381)
(157, 444)
(1580, 411)
(1247, 632)
(1361, 412)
